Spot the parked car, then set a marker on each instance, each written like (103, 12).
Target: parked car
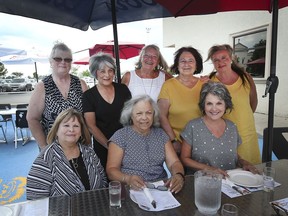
(5, 85)
(21, 84)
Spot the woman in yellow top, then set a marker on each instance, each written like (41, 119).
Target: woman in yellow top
(179, 96)
(244, 97)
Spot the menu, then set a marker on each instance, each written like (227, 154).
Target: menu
(164, 199)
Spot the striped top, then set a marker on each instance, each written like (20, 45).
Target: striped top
(52, 175)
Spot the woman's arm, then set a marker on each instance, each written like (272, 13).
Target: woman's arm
(113, 168)
(175, 167)
(90, 120)
(164, 106)
(39, 180)
(245, 165)
(126, 78)
(34, 114)
(83, 85)
(189, 162)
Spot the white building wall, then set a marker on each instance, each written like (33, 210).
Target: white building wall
(204, 31)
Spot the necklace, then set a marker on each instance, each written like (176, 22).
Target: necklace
(150, 89)
(75, 165)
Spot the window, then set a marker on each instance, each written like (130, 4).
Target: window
(250, 49)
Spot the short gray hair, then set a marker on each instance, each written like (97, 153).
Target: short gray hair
(59, 46)
(218, 89)
(126, 115)
(99, 60)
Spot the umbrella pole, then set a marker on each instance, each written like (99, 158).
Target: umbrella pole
(271, 85)
(36, 73)
(115, 33)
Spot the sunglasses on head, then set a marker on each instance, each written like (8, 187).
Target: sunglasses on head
(58, 59)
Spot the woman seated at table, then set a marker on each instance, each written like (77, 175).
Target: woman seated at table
(136, 152)
(211, 142)
(67, 165)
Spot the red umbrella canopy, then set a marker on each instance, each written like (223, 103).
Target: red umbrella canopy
(82, 61)
(196, 7)
(126, 49)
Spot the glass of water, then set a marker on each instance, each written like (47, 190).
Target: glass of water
(207, 186)
(229, 210)
(268, 178)
(115, 194)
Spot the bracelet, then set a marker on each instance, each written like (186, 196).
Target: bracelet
(181, 174)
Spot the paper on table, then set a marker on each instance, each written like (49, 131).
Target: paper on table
(31, 208)
(164, 199)
(226, 189)
(282, 204)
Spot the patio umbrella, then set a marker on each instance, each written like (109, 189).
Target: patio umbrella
(24, 60)
(82, 61)
(5, 51)
(126, 49)
(194, 7)
(81, 14)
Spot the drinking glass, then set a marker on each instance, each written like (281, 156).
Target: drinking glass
(268, 178)
(115, 194)
(229, 210)
(207, 186)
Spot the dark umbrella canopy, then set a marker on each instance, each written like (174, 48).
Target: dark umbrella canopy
(81, 14)
(126, 49)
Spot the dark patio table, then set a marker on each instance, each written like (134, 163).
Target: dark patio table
(96, 202)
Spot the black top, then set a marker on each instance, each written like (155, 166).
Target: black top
(79, 168)
(107, 115)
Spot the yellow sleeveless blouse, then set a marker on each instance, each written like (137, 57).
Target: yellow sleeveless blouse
(242, 115)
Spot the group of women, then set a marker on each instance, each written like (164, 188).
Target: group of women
(149, 119)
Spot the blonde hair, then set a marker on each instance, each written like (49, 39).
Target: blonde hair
(65, 116)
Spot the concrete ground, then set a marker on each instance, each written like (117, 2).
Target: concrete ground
(261, 121)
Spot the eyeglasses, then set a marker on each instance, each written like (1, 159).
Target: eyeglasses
(153, 57)
(159, 187)
(66, 60)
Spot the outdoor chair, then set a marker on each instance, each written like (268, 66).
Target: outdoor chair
(280, 143)
(4, 135)
(21, 123)
(7, 117)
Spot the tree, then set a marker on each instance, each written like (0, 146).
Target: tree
(3, 70)
(17, 74)
(86, 73)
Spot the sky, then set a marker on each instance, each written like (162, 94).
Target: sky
(38, 37)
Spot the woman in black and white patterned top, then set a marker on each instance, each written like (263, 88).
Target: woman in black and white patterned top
(57, 92)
